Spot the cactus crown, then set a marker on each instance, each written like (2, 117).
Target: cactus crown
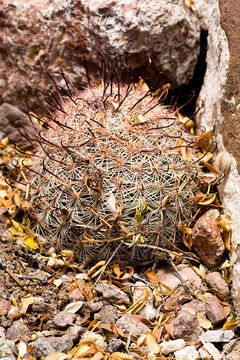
(108, 173)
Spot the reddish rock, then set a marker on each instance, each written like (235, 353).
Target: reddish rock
(217, 285)
(195, 306)
(215, 311)
(64, 319)
(76, 295)
(167, 275)
(185, 326)
(128, 324)
(4, 306)
(207, 240)
(112, 294)
(171, 304)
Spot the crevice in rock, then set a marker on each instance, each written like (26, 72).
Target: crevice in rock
(182, 94)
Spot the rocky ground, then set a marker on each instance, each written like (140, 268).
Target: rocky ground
(53, 308)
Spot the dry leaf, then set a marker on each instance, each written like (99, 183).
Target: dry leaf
(56, 356)
(153, 278)
(152, 344)
(203, 322)
(230, 324)
(120, 356)
(138, 305)
(96, 269)
(26, 301)
(74, 307)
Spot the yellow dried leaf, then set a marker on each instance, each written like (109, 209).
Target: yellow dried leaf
(200, 271)
(168, 288)
(224, 223)
(153, 278)
(26, 301)
(205, 156)
(187, 236)
(120, 356)
(204, 140)
(56, 356)
(210, 168)
(227, 240)
(31, 242)
(183, 149)
(86, 180)
(139, 217)
(226, 264)
(152, 344)
(138, 305)
(230, 324)
(96, 269)
(204, 199)
(203, 322)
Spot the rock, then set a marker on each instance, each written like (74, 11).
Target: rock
(167, 275)
(64, 319)
(185, 326)
(217, 336)
(46, 346)
(217, 285)
(213, 351)
(76, 295)
(107, 315)
(116, 345)
(98, 339)
(215, 311)
(158, 38)
(207, 240)
(11, 119)
(14, 313)
(171, 304)
(195, 306)
(40, 306)
(93, 306)
(6, 347)
(74, 332)
(112, 294)
(188, 353)
(18, 331)
(4, 307)
(129, 325)
(172, 345)
(231, 350)
(203, 354)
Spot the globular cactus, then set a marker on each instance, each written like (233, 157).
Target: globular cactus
(110, 173)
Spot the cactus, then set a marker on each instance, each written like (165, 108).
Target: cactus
(113, 169)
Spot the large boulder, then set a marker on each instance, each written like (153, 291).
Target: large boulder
(160, 39)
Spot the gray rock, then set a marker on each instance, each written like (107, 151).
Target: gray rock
(6, 347)
(217, 336)
(108, 314)
(129, 325)
(116, 345)
(112, 294)
(64, 319)
(18, 331)
(45, 346)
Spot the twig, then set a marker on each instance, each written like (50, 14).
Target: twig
(104, 268)
(4, 267)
